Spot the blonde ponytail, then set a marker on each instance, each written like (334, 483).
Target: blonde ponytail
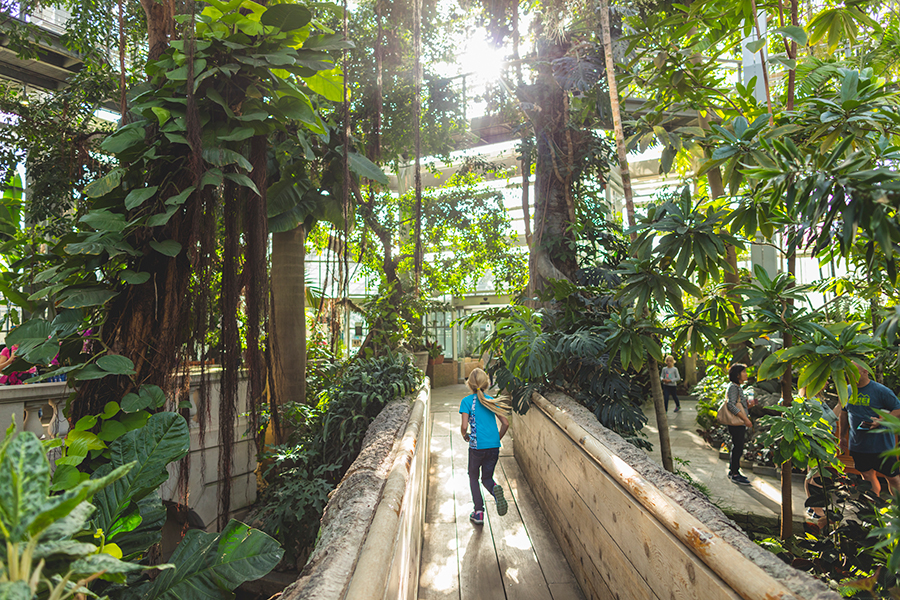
(478, 382)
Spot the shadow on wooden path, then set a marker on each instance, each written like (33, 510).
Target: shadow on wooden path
(511, 557)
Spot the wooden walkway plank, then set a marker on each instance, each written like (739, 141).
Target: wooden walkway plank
(440, 505)
(439, 574)
(546, 548)
(523, 578)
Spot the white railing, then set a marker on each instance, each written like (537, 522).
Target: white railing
(37, 408)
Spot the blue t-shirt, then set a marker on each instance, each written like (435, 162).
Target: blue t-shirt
(872, 395)
(483, 432)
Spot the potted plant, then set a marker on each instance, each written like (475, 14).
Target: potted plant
(435, 352)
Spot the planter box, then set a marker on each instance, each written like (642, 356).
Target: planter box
(765, 470)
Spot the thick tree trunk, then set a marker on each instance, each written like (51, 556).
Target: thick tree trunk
(160, 26)
(787, 397)
(417, 210)
(289, 315)
(551, 256)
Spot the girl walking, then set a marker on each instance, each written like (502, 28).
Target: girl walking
(670, 377)
(480, 413)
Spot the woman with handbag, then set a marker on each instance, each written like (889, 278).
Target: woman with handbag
(734, 413)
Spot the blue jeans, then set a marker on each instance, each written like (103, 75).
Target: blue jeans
(484, 461)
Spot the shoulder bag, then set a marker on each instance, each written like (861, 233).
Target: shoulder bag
(726, 417)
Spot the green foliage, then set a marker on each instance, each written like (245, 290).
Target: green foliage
(800, 435)
(682, 234)
(50, 536)
(326, 439)
(212, 564)
(573, 346)
(48, 548)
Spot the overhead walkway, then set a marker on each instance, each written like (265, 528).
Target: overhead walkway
(511, 557)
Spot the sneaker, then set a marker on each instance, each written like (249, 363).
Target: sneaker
(477, 517)
(502, 507)
(739, 479)
(677, 408)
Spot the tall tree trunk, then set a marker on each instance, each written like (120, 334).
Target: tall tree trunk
(375, 147)
(417, 35)
(525, 162)
(289, 315)
(662, 421)
(787, 380)
(551, 256)
(732, 279)
(787, 397)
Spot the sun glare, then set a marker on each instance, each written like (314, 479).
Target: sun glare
(482, 60)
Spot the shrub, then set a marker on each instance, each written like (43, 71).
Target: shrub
(326, 439)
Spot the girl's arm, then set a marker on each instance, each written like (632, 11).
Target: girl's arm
(464, 427)
(504, 425)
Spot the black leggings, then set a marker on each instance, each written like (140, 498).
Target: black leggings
(670, 390)
(483, 461)
(738, 432)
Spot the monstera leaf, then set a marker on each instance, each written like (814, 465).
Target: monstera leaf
(210, 565)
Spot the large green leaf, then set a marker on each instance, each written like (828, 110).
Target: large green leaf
(105, 184)
(15, 590)
(125, 138)
(167, 247)
(138, 196)
(138, 530)
(87, 298)
(116, 364)
(331, 41)
(329, 84)
(286, 17)
(24, 482)
(364, 167)
(96, 563)
(164, 439)
(207, 565)
(29, 335)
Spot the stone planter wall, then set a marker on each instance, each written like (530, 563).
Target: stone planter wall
(371, 537)
(631, 530)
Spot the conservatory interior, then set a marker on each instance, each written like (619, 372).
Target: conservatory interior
(280, 279)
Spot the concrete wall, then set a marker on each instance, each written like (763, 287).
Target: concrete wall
(370, 542)
(203, 477)
(38, 408)
(631, 530)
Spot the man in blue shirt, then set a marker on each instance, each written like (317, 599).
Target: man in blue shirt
(867, 441)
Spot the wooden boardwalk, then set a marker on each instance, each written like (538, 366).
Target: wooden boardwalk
(514, 557)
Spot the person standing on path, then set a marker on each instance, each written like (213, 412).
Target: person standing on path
(866, 441)
(736, 401)
(478, 413)
(670, 377)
